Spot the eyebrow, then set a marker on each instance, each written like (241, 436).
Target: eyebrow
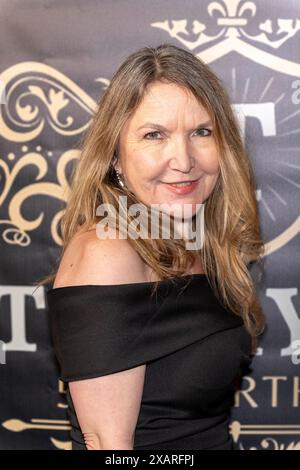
(160, 126)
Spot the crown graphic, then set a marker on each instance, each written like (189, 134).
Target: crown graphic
(231, 18)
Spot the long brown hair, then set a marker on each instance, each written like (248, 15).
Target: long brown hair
(231, 225)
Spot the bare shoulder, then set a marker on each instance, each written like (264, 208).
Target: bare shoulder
(89, 259)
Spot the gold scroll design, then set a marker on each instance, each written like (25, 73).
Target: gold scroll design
(17, 232)
(37, 93)
(18, 425)
(231, 19)
(238, 429)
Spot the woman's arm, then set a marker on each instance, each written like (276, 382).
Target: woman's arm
(107, 407)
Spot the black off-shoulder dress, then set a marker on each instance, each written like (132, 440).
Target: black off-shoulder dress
(194, 349)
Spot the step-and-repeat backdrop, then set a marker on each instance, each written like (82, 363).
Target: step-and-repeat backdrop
(56, 59)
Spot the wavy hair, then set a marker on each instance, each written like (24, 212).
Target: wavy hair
(231, 224)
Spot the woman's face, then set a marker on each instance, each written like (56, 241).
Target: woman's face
(169, 139)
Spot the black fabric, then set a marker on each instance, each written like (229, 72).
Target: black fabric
(193, 347)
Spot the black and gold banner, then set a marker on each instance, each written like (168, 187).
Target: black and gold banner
(57, 57)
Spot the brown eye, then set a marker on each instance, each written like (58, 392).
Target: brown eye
(151, 135)
(207, 132)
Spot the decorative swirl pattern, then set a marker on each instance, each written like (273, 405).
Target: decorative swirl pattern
(18, 233)
(48, 94)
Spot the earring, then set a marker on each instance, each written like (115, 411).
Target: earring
(121, 182)
(119, 178)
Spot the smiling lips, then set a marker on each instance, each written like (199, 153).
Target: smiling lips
(182, 187)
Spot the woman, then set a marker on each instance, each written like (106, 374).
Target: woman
(144, 371)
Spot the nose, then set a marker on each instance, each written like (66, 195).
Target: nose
(181, 159)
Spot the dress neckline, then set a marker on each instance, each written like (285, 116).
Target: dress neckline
(193, 276)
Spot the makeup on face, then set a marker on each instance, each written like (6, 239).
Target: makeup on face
(168, 152)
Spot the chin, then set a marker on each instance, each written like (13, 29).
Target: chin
(190, 212)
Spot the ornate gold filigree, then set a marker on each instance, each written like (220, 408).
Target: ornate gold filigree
(17, 233)
(231, 16)
(271, 444)
(37, 93)
(238, 429)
